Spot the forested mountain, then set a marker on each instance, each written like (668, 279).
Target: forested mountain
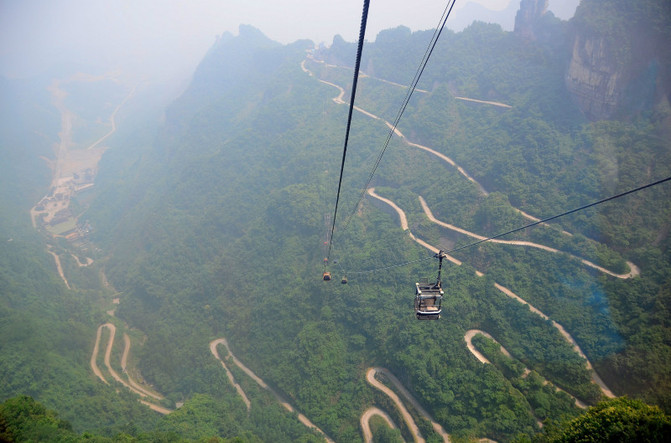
(214, 228)
(46, 329)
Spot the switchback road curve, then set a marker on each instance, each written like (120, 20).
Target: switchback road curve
(634, 271)
(222, 341)
(468, 337)
(595, 377)
(131, 384)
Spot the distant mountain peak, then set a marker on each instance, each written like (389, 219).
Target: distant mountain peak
(528, 17)
(247, 31)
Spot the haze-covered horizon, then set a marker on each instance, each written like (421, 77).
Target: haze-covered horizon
(168, 39)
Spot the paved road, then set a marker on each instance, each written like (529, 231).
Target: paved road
(365, 422)
(302, 418)
(132, 385)
(469, 343)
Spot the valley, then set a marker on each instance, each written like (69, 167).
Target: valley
(413, 404)
(170, 275)
(74, 167)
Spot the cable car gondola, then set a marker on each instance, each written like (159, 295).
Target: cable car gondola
(326, 276)
(429, 296)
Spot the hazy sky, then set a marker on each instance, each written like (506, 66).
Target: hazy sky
(174, 35)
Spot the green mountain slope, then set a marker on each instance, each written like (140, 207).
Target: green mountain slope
(216, 230)
(227, 240)
(46, 330)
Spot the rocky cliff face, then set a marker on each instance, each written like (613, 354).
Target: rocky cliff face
(594, 79)
(620, 62)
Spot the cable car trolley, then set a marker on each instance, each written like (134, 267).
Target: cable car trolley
(429, 296)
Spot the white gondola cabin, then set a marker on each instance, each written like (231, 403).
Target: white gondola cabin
(429, 296)
(428, 301)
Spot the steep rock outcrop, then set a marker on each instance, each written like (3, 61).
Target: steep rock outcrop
(593, 78)
(620, 62)
(528, 17)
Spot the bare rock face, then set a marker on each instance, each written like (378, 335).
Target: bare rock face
(528, 17)
(593, 78)
(620, 62)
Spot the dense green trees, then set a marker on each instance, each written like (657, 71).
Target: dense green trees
(22, 419)
(624, 420)
(217, 228)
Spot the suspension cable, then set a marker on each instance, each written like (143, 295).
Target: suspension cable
(397, 265)
(613, 197)
(362, 33)
(411, 89)
(589, 205)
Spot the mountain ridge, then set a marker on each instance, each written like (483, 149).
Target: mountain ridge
(219, 226)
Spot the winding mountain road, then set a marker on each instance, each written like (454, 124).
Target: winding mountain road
(370, 378)
(229, 374)
(407, 417)
(131, 384)
(59, 267)
(113, 119)
(66, 163)
(634, 270)
(371, 372)
(595, 377)
(404, 225)
(302, 418)
(365, 422)
(468, 337)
